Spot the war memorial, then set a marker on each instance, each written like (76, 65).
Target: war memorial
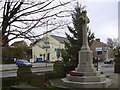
(91, 78)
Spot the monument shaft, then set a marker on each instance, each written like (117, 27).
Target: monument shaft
(85, 39)
(85, 55)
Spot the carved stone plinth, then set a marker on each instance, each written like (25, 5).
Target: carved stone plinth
(91, 78)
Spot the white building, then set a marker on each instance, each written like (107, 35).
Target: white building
(48, 48)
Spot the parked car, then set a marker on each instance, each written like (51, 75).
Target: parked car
(109, 61)
(23, 62)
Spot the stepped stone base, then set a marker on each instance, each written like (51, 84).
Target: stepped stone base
(73, 84)
(89, 80)
(86, 79)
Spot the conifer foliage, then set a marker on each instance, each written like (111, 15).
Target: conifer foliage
(70, 54)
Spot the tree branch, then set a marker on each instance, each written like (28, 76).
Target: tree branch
(15, 12)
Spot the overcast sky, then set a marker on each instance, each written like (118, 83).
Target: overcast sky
(103, 17)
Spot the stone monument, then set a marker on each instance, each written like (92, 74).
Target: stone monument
(91, 78)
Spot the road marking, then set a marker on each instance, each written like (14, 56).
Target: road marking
(106, 65)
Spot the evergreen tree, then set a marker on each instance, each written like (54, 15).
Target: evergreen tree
(70, 54)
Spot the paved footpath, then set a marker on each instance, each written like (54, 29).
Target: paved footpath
(115, 80)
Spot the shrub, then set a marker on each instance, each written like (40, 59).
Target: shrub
(8, 82)
(18, 53)
(69, 67)
(58, 71)
(117, 61)
(117, 66)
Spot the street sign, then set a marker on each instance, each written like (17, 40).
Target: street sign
(99, 49)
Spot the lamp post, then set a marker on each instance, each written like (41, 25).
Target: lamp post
(99, 52)
(46, 42)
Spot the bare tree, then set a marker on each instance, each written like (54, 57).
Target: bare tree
(113, 43)
(20, 19)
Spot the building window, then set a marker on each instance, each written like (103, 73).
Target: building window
(57, 50)
(48, 56)
(40, 54)
(99, 52)
(46, 45)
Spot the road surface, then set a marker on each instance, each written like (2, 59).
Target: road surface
(13, 73)
(9, 70)
(14, 66)
(105, 68)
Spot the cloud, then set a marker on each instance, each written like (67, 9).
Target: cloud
(104, 19)
(109, 30)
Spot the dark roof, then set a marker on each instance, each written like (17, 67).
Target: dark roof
(104, 44)
(19, 44)
(60, 39)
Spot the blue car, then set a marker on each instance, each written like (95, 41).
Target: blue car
(23, 63)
